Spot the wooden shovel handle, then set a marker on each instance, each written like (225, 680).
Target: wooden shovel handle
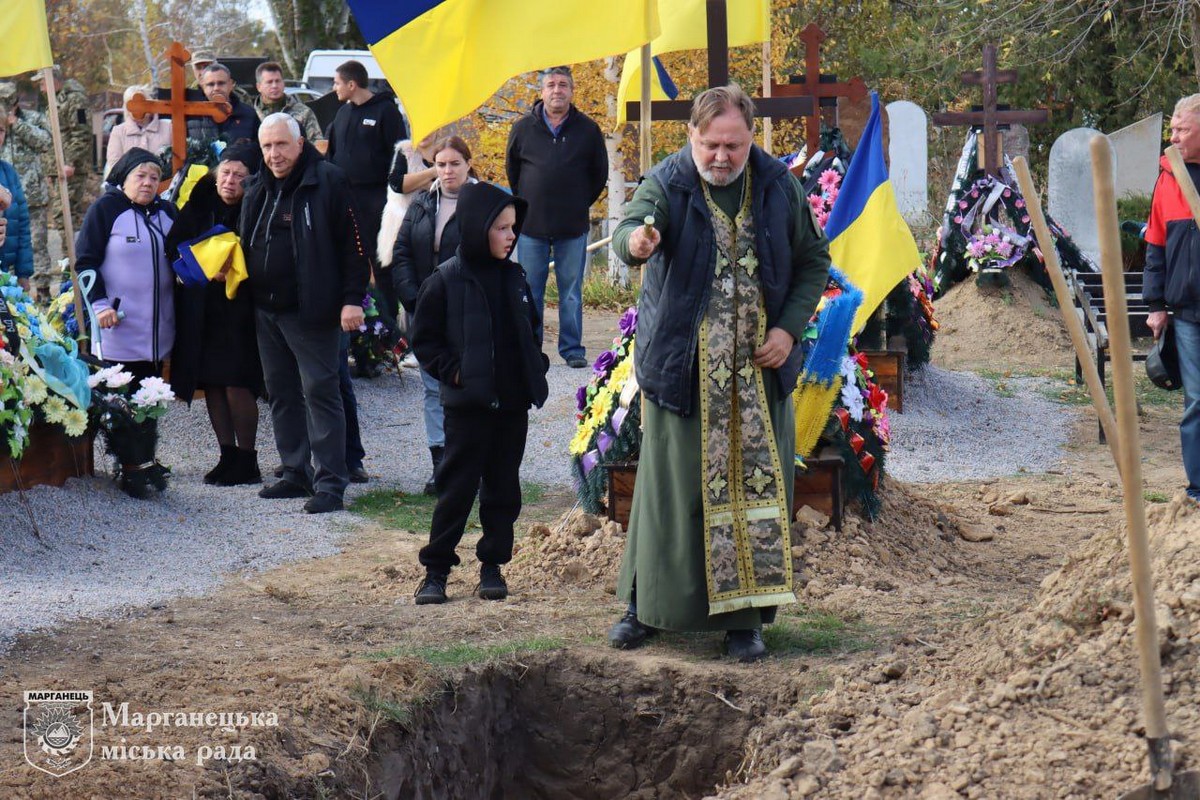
(1066, 305)
(1146, 634)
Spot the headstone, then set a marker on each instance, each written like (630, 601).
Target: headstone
(1070, 189)
(1137, 148)
(908, 155)
(852, 117)
(1016, 141)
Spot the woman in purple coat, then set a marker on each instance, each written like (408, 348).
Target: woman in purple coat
(123, 239)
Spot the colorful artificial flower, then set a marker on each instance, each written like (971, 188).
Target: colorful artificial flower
(75, 422)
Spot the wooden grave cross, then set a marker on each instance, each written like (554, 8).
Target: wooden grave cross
(991, 117)
(824, 89)
(178, 107)
(718, 75)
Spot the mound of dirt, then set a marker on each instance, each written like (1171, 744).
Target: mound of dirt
(579, 550)
(912, 540)
(1018, 325)
(1024, 702)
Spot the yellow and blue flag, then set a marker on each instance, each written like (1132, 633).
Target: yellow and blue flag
(685, 27)
(217, 250)
(25, 37)
(868, 239)
(444, 58)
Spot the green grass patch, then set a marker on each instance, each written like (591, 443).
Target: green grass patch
(398, 510)
(1001, 381)
(403, 714)
(598, 291)
(801, 630)
(462, 654)
(1151, 496)
(1075, 393)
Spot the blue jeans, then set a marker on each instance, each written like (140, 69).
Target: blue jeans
(354, 446)
(435, 432)
(570, 261)
(1187, 341)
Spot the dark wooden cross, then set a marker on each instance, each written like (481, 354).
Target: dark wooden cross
(178, 107)
(991, 118)
(718, 75)
(824, 89)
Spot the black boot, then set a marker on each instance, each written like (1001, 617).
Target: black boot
(217, 473)
(629, 632)
(745, 645)
(243, 470)
(435, 453)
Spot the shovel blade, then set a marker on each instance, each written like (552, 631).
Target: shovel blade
(1185, 786)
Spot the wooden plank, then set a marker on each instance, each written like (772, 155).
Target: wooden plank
(888, 366)
(820, 486)
(49, 460)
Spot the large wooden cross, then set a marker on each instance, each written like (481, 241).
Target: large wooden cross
(824, 89)
(718, 75)
(178, 107)
(990, 117)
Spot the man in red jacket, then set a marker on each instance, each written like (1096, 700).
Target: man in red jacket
(1172, 276)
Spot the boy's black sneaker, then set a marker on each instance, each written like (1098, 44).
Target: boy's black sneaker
(284, 490)
(491, 583)
(432, 589)
(323, 503)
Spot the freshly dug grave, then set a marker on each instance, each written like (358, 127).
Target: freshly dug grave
(574, 726)
(1040, 703)
(1018, 325)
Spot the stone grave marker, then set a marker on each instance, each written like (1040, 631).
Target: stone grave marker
(908, 154)
(1016, 141)
(1070, 189)
(1137, 148)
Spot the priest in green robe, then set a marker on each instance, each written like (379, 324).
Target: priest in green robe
(734, 266)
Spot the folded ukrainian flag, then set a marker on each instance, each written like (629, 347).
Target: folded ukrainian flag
(444, 58)
(206, 255)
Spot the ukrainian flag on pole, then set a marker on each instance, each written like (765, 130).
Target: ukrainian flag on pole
(685, 27)
(444, 58)
(24, 37)
(868, 239)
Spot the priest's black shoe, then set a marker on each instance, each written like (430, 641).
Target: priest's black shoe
(284, 490)
(745, 645)
(432, 589)
(491, 583)
(628, 632)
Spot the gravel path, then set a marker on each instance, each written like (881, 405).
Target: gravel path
(104, 553)
(957, 426)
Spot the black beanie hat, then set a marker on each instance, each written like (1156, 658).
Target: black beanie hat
(133, 159)
(245, 152)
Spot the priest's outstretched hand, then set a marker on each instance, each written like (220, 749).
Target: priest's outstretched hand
(641, 244)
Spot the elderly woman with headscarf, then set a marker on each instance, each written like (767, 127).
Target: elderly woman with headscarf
(216, 347)
(123, 239)
(148, 131)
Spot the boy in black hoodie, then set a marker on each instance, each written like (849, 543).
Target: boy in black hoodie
(474, 331)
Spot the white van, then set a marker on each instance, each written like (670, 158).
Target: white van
(322, 64)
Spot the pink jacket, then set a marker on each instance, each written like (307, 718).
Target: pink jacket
(153, 137)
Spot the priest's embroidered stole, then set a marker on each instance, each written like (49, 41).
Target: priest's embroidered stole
(746, 538)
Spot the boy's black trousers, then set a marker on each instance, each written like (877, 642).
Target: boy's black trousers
(483, 455)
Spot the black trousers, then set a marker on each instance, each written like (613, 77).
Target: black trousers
(483, 456)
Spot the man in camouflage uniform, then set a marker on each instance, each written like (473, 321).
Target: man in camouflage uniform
(27, 141)
(273, 98)
(75, 121)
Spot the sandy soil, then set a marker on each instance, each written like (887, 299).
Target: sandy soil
(977, 644)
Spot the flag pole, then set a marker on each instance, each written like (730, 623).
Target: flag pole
(64, 197)
(644, 127)
(768, 125)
